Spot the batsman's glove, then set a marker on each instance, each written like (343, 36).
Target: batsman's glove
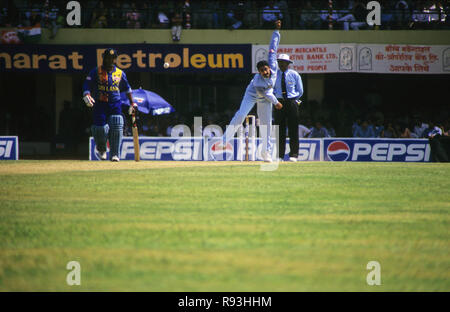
(133, 108)
(89, 100)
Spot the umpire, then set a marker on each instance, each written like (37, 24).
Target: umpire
(288, 90)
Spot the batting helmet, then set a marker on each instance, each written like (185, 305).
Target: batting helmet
(110, 51)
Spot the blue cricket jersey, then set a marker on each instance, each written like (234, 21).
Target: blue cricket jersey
(105, 86)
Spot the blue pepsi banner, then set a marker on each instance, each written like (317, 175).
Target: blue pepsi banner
(308, 150)
(383, 150)
(156, 148)
(198, 148)
(9, 148)
(216, 58)
(211, 149)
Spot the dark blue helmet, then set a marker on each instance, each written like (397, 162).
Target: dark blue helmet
(110, 51)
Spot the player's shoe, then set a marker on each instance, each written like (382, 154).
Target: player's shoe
(266, 157)
(115, 158)
(293, 159)
(101, 155)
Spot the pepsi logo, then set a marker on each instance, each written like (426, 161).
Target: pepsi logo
(218, 149)
(338, 151)
(139, 100)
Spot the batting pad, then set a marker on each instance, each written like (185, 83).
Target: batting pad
(100, 134)
(115, 133)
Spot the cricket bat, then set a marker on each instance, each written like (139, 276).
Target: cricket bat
(135, 137)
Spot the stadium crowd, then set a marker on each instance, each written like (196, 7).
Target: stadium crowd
(337, 124)
(237, 14)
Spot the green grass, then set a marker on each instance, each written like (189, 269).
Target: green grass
(303, 227)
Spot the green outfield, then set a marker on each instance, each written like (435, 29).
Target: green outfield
(221, 226)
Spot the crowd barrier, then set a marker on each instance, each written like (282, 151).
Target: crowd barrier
(326, 149)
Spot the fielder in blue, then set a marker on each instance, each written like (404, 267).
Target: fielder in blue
(101, 90)
(260, 91)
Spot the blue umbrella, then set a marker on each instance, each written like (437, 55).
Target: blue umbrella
(148, 102)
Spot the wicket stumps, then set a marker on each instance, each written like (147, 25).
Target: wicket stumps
(249, 119)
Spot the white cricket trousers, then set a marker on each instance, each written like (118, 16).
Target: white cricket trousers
(264, 110)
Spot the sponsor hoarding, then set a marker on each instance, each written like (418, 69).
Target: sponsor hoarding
(9, 148)
(384, 150)
(131, 57)
(198, 148)
(362, 58)
(156, 148)
(327, 149)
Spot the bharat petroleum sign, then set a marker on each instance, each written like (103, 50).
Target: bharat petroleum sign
(131, 57)
(175, 60)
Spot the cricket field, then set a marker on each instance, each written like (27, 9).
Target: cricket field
(224, 226)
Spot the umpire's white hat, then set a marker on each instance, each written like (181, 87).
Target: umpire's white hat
(284, 57)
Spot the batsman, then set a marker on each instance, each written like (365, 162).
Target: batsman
(101, 91)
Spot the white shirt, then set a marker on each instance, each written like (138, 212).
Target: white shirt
(260, 88)
(303, 132)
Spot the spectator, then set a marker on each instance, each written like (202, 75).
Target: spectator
(365, 131)
(387, 14)
(356, 126)
(447, 15)
(270, 14)
(325, 16)
(319, 131)
(402, 14)
(51, 18)
(187, 14)
(356, 19)
(99, 19)
(177, 21)
(309, 19)
(203, 17)
(436, 12)
(423, 16)
(284, 9)
(330, 130)
(3, 13)
(428, 130)
(405, 133)
(378, 129)
(32, 15)
(419, 128)
(436, 139)
(388, 131)
(303, 131)
(251, 19)
(133, 17)
(235, 17)
(116, 16)
(162, 20)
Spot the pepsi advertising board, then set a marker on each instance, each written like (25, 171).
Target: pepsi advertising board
(155, 148)
(211, 149)
(9, 148)
(309, 149)
(195, 149)
(383, 150)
